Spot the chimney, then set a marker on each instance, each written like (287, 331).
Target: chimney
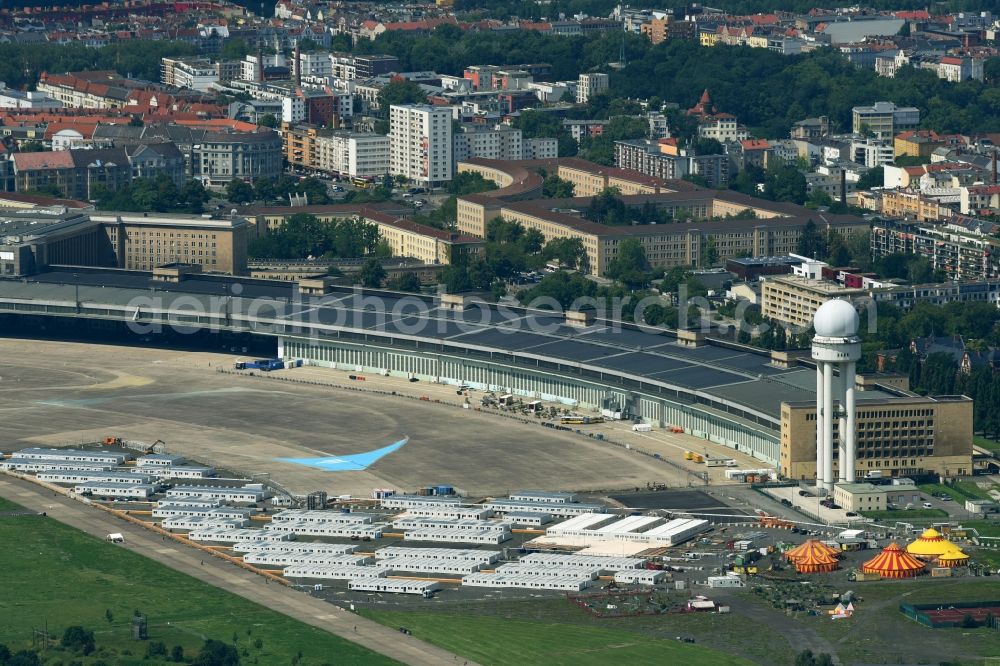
(843, 186)
(994, 166)
(298, 65)
(259, 74)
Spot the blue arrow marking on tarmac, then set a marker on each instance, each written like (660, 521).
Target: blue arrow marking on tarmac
(355, 462)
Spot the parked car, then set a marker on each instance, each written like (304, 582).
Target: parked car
(927, 505)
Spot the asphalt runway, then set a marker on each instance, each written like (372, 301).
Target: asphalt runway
(693, 501)
(54, 393)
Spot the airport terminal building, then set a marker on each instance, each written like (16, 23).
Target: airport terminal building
(749, 400)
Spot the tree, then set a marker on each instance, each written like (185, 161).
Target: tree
(78, 639)
(108, 615)
(456, 279)
(156, 649)
(404, 282)
(541, 125)
(24, 658)
(569, 252)
(810, 243)
(268, 120)
(239, 191)
(400, 91)
(629, 265)
(707, 147)
(871, 178)
(235, 48)
(371, 274)
(177, 654)
(709, 253)
(4, 654)
(556, 188)
(217, 653)
(561, 286)
(785, 183)
(469, 182)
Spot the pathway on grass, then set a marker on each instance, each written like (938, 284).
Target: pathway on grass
(297, 605)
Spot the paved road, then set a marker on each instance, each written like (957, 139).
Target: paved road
(216, 572)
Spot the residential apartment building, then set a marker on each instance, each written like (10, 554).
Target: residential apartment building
(723, 128)
(421, 143)
(361, 67)
(193, 73)
(317, 107)
(75, 174)
(960, 253)
(501, 142)
(539, 149)
(225, 156)
(914, 206)
(664, 159)
(84, 90)
(898, 436)
(30, 100)
(354, 154)
(590, 85)
(312, 64)
(884, 119)
(151, 160)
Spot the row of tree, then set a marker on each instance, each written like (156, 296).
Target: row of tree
(277, 190)
(304, 236)
(79, 641)
(160, 195)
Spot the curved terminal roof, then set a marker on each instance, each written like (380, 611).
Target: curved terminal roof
(722, 375)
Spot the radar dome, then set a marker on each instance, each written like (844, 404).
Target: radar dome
(836, 319)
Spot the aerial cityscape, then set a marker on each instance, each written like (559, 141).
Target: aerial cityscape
(495, 332)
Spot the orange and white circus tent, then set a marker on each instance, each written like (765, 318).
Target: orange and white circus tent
(953, 558)
(808, 548)
(813, 557)
(893, 562)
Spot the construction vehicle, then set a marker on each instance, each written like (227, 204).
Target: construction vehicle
(112, 441)
(767, 520)
(689, 455)
(578, 419)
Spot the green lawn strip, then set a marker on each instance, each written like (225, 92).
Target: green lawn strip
(990, 444)
(7, 506)
(57, 576)
(958, 490)
(987, 528)
(501, 641)
(906, 516)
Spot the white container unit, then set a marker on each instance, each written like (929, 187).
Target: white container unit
(424, 588)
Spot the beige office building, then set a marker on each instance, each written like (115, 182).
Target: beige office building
(896, 436)
(144, 242)
(794, 300)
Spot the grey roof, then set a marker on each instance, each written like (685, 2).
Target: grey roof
(100, 157)
(734, 375)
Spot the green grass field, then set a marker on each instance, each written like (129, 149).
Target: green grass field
(989, 528)
(906, 516)
(499, 641)
(57, 576)
(990, 444)
(959, 490)
(877, 624)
